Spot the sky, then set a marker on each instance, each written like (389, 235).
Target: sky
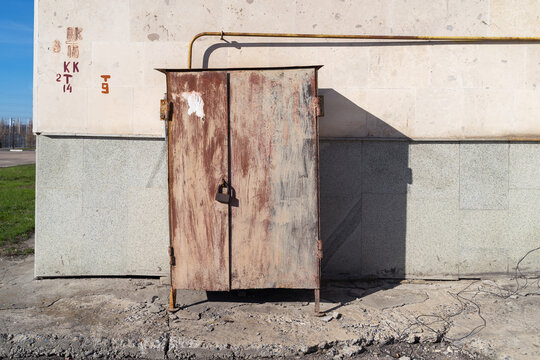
(16, 54)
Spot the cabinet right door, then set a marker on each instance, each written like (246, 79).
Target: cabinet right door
(274, 171)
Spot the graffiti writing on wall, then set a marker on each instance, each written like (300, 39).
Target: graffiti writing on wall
(72, 41)
(71, 67)
(105, 84)
(73, 35)
(56, 46)
(67, 75)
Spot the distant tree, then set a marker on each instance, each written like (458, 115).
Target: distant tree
(3, 127)
(4, 130)
(29, 135)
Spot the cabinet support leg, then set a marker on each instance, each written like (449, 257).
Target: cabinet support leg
(318, 289)
(317, 311)
(172, 300)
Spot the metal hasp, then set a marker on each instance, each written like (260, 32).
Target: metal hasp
(164, 109)
(244, 179)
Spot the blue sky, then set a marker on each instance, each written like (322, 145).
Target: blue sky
(16, 37)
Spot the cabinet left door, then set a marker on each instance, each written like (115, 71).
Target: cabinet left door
(198, 162)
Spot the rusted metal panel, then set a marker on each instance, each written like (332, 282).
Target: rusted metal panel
(198, 161)
(265, 122)
(274, 155)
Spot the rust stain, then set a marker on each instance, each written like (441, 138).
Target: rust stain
(56, 46)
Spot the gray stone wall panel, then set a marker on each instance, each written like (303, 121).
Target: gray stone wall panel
(388, 209)
(385, 167)
(435, 171)
(101, 207)
(483, 177)
(483, 242)
(432, 230)
(383, 235)
(59, 230)
(525, 166)
(524, 229)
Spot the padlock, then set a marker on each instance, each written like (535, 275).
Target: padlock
(220, 196)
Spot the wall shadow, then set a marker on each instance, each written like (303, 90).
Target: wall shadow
(310, 44)
(334, 294)
(363, 196)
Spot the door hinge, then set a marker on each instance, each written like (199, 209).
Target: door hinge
(172, 260)
(165, 110)
(320, 105)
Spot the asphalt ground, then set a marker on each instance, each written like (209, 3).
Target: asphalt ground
(14, 158)
(119, 317)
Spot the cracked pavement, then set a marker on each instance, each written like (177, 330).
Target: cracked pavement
(120, 317)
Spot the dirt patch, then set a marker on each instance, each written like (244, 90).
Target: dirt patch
(24, 245)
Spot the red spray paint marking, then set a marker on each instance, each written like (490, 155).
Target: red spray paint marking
(104, 84)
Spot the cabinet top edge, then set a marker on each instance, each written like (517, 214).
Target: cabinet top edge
(164, 70)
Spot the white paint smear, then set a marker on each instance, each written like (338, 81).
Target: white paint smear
(195, 103)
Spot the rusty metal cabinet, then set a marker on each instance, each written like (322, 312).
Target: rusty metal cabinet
(243, 178)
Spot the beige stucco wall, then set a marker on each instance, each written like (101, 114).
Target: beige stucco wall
(372, 89)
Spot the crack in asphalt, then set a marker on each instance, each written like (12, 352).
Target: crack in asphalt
(408, 303)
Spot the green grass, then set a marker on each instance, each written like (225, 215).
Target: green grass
(17, 194)
(15, 251)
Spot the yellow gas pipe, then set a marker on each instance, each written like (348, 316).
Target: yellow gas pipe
(222, 34)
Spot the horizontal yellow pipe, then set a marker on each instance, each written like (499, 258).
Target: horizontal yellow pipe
(362, 37)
